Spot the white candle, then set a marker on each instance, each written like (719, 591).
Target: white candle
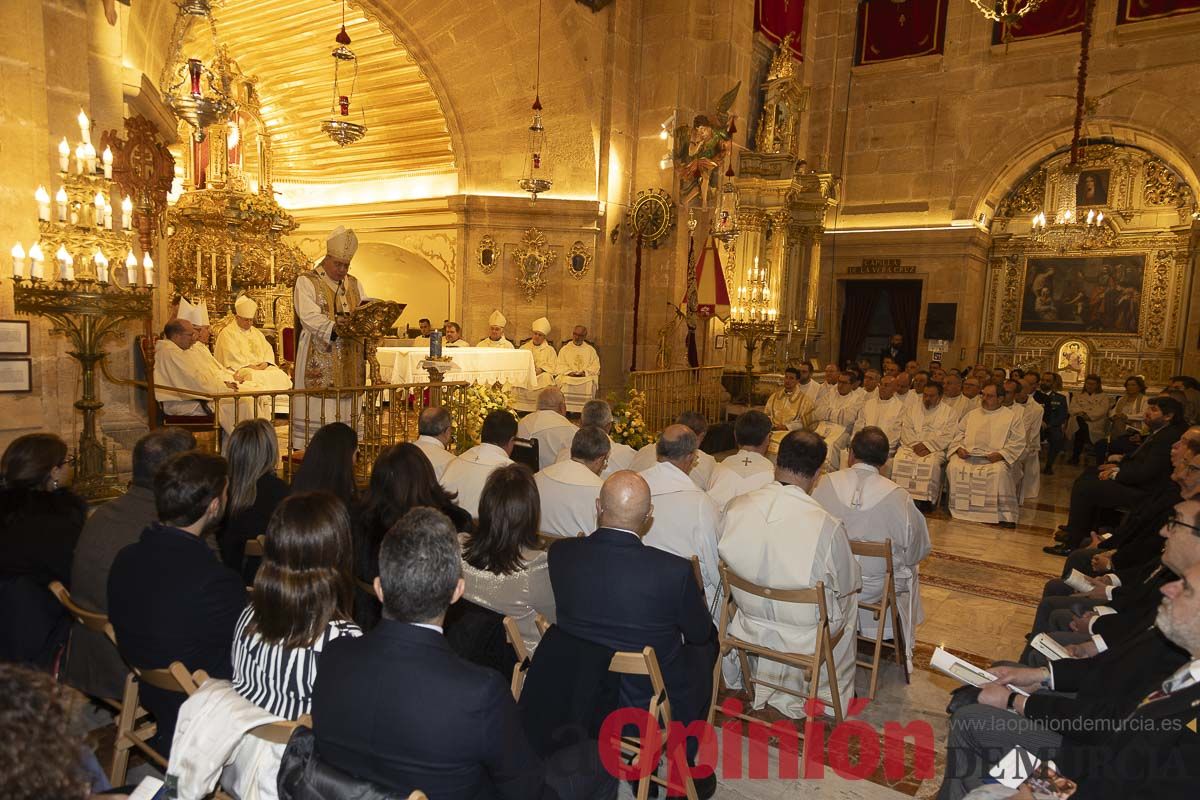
(126, 213)
(18, 259)
(85, 127)
(107, 160)
(212, 266)
(89, 156)
(148, 268)
(197, 267)
(64, 156)
(60, 198)
(37, 268)
(108, 215)
(272, 267)
(130, 268)
(228, 274)
(43, 204)
(101, 262)
(98, 202)
(66, 264)
(80, 159)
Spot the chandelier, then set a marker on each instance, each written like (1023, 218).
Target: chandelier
(1006, 12)
(197, 94)
(534, 180)
(754, 303)
(339, 126)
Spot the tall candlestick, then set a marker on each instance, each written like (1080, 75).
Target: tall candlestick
(107, 160)
(272, 267)
(130, 269)
(85, 127)
(228, 274)
(148, 268)
(18, 261)
(64, 156)
(43, 204)
(126, 213)
(37, 262)
(60, 198)
(198, 267)
(212, 267)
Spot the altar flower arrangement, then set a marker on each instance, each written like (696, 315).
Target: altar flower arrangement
(475, 403)
(629, 426)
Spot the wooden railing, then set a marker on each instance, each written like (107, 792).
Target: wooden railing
(669, 392)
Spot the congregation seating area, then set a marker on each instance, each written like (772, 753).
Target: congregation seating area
(533, 616)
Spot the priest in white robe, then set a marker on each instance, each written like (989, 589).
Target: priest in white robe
(467, 474)
(201, 360)
(545, 359)
(874, 509)
(433, 437)
(702, 473)
(952, 394)
(1032, 413)
(244, 349)
(685, 517)
(454, 336)
(829, 386)
(837, 415)
(578, 368)
(549, 426)
(790, 407)
(780, 537)
(990, 440)
(325, 360)
(495, 337)
(176, 365)
(883, 411)
(569, 489)
(925, 433)
(598, 413)
(807, 384)
(749, 468)
(970, 391)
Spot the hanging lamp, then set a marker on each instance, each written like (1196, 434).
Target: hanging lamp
(535, 178)
(339, 126)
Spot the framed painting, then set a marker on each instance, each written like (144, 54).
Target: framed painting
(1092, 189)
(1088, 293)
(14, 337)
(16, 376)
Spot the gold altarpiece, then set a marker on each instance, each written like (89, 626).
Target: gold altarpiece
(1123, 311)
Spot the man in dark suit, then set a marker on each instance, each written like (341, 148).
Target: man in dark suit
(615, 591)
(169, 596)
(1127, 481)
(896, 351)
(397, 707)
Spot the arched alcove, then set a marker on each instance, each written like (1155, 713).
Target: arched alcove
(389, 272)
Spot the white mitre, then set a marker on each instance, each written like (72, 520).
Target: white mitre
(497, 319)
(342, 244)
(195, 313)
(245, 307)
(541, 325)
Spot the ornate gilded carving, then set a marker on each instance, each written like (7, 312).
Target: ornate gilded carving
(1010, 302)
(579, 260)
(1027, 199)
(144, 169)
(1155, 308)
(532, 258)
(487, 255)
(1162, 187)
(784, 100)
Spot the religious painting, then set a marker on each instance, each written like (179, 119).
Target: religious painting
(16, 376)
(14, 337)
(1092, 189)
(1091, 293)
(1072, 361)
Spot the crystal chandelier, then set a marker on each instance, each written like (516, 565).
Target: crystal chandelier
(339, 127)
(1006, 12)
(754, 303)
(194, 92)
(534, 179)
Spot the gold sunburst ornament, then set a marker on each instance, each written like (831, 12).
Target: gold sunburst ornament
(651, 216)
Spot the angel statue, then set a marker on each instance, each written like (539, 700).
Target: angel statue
(700, 151)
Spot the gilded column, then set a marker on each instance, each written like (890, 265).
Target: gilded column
(777, 259)
(810, 266)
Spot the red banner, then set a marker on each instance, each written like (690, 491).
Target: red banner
(1141, 10)
(889, 30)
(1050, 19)
(777, 18)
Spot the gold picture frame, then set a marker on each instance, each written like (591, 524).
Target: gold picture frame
(487, 254)
(579, 260)
(532, 258)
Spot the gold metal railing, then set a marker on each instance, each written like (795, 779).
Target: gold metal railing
(669, 392)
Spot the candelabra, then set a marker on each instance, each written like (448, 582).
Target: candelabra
(753, 318)
(85, 300)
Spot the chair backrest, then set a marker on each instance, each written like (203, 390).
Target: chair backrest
(527, 452)
(280, 732)
(865, 549)
(254, 547)
(288, 341)
(92, 620)
(814, 595)
(697, 573)
(174, 678)
(146, 348)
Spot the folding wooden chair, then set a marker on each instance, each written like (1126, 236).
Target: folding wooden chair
(92, 620)
(886, 608)
(810, 664)
(513, 634)
(254, 547)
(542, 623)
(646, 663)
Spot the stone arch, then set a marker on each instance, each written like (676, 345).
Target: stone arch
(393, 272)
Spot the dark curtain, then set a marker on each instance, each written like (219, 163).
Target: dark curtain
(1138, 10)
(1050, 19)
(889, 30)
(861, 297)
(904, 300)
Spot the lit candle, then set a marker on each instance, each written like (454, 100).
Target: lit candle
(126, 213)
(1100, 218)
(228, 274)
(43, 204)
(18, 259)
(85, 127)
(60, 198)
(89, 155)
(101, 262)
(107, 160)
(130, 268)
(148, 268)
(66, 264)
(272, 267)
(99, 204)
(80, 159)
(212, 267)
(37, 268)
(108, 209)
(197, 267)
(64, 155)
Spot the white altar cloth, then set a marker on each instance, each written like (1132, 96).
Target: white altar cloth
(474, 364)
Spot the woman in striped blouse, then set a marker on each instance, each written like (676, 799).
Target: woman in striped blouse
(301, 600)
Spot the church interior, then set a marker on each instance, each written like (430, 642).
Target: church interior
(795, 278)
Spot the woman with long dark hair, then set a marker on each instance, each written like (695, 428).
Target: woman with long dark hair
(328, 464)
(504, 568)
(301, 601)
(254, 490)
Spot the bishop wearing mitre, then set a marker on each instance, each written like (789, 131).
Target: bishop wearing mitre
(989, 442)
(495, 337)
(244, 349)
(545, 359)
(578, 365)
(326, 360)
